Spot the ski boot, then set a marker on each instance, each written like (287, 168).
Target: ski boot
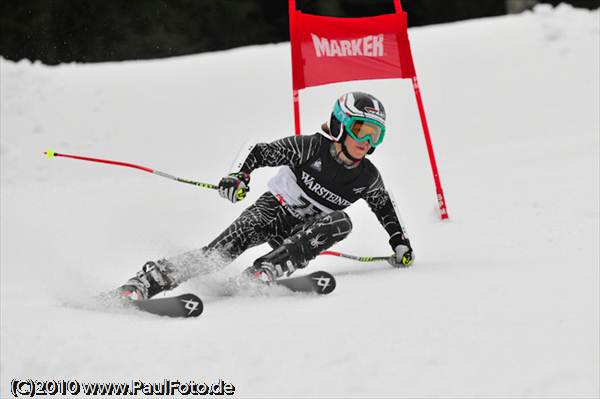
(283, 260)
(151, 280)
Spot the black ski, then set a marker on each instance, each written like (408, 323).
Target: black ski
(319, 282)
(189, 305)
(186, 305)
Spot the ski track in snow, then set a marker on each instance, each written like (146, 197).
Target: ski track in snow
(503, 299)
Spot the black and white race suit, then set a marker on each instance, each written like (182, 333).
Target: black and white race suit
(306, 199)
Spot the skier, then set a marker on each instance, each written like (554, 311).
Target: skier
(302, 213)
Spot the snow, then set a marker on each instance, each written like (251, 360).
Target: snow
(503, 300)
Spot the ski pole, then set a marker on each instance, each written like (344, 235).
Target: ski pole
(51, 154)
(358, 258)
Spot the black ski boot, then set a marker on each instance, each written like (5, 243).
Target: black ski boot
(155, 277)
(283, 260)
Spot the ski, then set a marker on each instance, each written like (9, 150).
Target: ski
(186, 305)
(318, 282)
(190, 305)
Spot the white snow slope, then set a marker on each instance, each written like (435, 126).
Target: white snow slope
(503, 299)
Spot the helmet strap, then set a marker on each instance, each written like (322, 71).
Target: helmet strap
(347, 154)
(345, 150)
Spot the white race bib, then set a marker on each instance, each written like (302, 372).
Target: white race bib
(284, 185)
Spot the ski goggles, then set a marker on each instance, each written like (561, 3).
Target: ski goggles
(361, 128)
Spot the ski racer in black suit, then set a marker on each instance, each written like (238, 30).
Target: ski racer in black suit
(302, 213)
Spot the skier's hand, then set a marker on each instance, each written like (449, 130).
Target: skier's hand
(235, 186)
(403, 256)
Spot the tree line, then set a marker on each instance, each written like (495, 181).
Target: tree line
(58, 31)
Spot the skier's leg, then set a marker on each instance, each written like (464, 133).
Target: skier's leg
(307, 241)
(256, 225)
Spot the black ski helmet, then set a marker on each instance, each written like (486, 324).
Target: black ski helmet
(354, 104)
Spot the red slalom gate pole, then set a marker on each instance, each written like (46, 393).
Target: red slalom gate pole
(52, 154)
(436, 176)
(297, 82)
(296, 111)
(434, 169)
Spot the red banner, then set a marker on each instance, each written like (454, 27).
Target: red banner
(328, 49)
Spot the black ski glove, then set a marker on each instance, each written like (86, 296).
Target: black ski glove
(403, 256)
(235, 186)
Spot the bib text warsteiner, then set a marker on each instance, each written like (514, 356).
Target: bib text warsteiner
(323, 192)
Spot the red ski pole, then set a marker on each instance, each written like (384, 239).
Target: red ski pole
(52, 154)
